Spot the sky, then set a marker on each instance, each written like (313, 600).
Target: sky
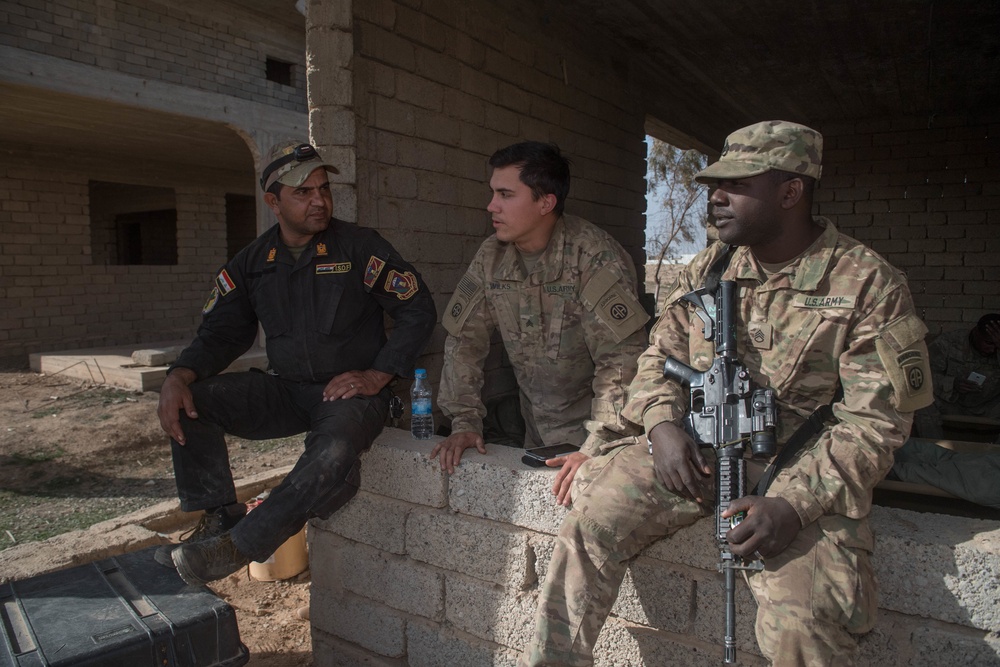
(655, 215)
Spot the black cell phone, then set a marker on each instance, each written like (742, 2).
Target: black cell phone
(537, 457)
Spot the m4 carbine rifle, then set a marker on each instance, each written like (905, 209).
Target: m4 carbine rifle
(726, 411)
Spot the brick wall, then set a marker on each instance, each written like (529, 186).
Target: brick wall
(435, 92)
(925, 194)
(52, 295)
(423, 568)
(210, 46)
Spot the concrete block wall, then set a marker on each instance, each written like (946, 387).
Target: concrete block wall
(423, 569)
(52, 296)
(924, 193)
(429, 92)
(211, 46)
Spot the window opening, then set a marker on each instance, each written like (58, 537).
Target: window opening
(132, 224)
(278, 71)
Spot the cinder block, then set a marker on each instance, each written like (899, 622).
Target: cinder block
(489, 612)
(486, 550)
(941, 567)
(431, 646)
(497, 486)
(656, 595)
(368, 624)
(542, 547)
(397, 467)
(370, 519)
(392, 580)
(156, 357)
(329, 651)
(888, 643)
(623, 643)
(933, 647)
(693, 545)
(710, 612)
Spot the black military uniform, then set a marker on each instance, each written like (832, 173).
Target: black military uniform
(322, 315)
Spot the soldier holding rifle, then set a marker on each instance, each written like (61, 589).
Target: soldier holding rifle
(820, 320)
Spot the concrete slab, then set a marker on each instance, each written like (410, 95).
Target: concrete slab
(114, 365)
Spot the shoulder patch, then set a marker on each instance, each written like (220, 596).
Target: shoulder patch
(468, 292)
(401, 283)
(373, 270)
(900, 346)
(598, 286)
(213, 298)
(621, 311)
(224, 283)
(614, 304)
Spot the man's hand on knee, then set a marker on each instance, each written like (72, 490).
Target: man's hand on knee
(451, 448)
(174, 397)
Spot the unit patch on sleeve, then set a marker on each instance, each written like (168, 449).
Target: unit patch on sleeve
(468, 293)
(338, 267)
(402, 284)
(373, 270)
(224, 283)
(213, 298)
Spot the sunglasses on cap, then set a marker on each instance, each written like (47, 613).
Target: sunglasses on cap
(301, 153)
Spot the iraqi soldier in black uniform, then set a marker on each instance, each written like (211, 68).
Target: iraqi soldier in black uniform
(319, 287)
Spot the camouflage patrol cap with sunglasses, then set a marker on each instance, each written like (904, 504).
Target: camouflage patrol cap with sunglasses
(290, 163)
(772, 144)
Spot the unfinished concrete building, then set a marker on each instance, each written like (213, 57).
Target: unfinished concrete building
(122, 107)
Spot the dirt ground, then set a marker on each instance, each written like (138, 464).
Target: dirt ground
(73, 454)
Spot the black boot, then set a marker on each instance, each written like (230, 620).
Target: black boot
(201, 562)
(212, 524)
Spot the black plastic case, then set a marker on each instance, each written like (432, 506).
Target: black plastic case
(126, 611)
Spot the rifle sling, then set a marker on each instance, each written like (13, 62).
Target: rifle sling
(817, 421)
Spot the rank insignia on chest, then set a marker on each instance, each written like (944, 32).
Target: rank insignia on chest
(339, 267)
(224, 283)
(760, 335)
(271, 254)
(403, 285)
(321, 250)
(373, 270)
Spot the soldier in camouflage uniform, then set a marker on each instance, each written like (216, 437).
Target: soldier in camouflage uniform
(562, 294)
(816, 309)
(955, 357)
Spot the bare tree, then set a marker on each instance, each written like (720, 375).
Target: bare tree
(670, 177)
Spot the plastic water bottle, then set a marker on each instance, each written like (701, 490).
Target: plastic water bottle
(421, 410)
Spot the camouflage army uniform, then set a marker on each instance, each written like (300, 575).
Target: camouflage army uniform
(837, 313)
(572, 328)
(952, 359)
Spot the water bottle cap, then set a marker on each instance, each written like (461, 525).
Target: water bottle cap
(420, 373)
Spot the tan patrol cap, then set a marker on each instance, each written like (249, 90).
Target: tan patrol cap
(290, 163)
(772, 144)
